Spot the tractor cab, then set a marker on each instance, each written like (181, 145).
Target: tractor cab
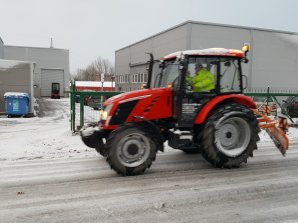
(221, 75)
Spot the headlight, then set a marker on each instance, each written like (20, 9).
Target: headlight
(105, 113)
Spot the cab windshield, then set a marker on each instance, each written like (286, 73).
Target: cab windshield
(169, 75)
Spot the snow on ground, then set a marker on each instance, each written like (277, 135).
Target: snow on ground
(48, 135)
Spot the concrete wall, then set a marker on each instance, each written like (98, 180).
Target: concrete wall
(15, 76)
(273, 56)
(44, 58)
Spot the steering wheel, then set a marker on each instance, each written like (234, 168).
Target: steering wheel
(188, 86)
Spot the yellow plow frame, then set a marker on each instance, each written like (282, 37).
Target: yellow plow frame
(276, 133)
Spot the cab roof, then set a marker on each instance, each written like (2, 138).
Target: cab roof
(206, 52)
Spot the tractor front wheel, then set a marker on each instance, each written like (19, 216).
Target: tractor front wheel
(230, 136)
(131, 149)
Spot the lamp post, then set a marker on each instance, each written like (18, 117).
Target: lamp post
(102, 79)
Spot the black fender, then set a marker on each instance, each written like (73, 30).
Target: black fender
(92, 137)
(155, 130)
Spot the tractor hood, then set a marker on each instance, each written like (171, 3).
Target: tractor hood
(135, 95)
(150, 104)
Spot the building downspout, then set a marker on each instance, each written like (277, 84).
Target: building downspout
(188, 36)
(251, 52)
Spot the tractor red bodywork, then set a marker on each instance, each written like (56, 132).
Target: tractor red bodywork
(156, 104)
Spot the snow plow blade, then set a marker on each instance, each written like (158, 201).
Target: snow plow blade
(277, 135)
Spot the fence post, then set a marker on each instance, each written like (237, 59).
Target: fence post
(72, 106)
(82, 98)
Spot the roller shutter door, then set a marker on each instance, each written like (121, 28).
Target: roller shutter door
(49, 76)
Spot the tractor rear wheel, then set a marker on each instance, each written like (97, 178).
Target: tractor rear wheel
(230, 136)
(131, 149)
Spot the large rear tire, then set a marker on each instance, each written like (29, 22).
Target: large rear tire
(131, 149)
(230, 136)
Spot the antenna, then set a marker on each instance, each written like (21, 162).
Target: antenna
(51, 43)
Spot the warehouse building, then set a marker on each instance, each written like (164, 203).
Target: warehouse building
(32, 70)
(273, 57)
(51, 66)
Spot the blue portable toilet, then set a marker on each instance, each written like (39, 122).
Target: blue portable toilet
(16, 103)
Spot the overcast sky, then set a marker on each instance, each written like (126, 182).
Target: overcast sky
(92, 28)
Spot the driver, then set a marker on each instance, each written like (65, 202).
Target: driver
(202, 81)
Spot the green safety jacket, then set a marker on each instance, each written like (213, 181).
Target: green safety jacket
(203, 81)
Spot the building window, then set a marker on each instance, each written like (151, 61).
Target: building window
(145, 77)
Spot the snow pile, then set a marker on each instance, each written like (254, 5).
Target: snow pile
(16, 94)
(10, 64)
(44, 137)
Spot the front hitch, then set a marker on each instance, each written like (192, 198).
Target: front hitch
(93, 137)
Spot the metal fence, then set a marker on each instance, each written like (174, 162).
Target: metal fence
(82, 109)
(82, 112)
(269, 102)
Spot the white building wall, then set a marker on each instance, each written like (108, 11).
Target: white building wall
(273, 57)
(275, 61)
(133, 59)
(16, 76)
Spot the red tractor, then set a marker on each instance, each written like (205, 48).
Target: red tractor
(222, 124)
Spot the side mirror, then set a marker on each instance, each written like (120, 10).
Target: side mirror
(245, 60)
(157, 78)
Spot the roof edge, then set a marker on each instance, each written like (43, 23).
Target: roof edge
(169, 29)
(210, 24)
(34, 47)
(243, 27)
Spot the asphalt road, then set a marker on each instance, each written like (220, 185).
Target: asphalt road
(178, 188)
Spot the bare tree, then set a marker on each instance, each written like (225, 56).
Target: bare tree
(78, 75)
(94, 70)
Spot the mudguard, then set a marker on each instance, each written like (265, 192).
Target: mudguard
(240, 99)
